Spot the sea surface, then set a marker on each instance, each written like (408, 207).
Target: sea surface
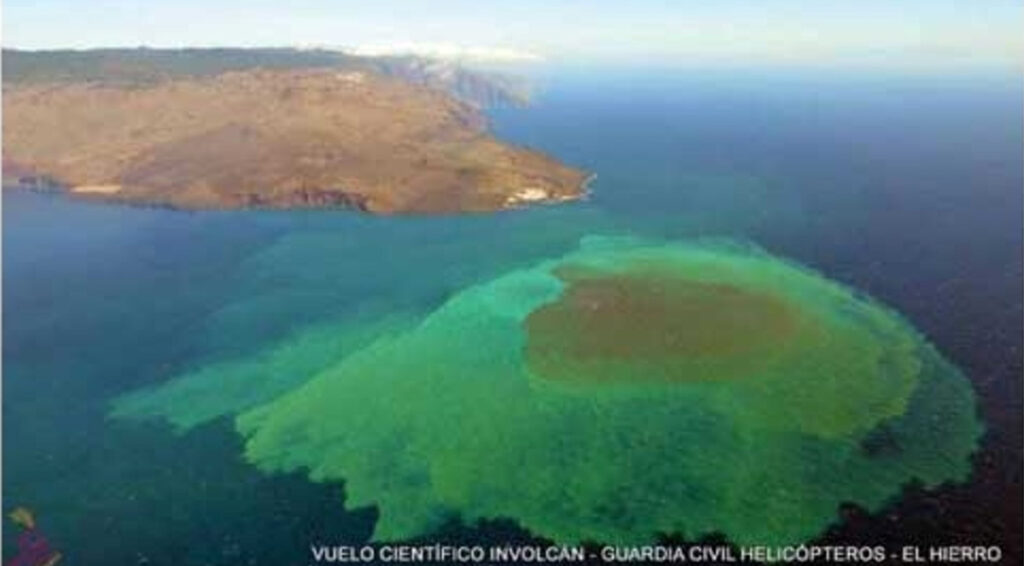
(908, 188)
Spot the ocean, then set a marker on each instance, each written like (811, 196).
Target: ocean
(905, 187)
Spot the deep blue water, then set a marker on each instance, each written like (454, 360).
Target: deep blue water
(908, 188)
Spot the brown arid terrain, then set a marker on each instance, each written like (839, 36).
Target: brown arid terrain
(273, 138)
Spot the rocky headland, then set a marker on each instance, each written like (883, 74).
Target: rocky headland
(354, 134)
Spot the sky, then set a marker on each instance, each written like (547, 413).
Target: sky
(831, 32)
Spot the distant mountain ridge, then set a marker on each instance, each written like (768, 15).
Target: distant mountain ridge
(147, 66)
(480, 88)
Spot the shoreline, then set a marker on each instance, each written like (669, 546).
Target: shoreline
(44, 186)
(297, 138)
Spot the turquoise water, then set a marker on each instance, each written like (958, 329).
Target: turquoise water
(908, 189)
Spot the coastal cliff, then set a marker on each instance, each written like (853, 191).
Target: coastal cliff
(261, 133)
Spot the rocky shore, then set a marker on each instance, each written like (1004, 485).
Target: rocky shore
(273, 138)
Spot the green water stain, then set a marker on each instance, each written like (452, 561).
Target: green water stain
(229, 387)
(449, 418)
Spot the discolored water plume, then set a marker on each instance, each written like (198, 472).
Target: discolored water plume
(627, 389)
(602, 323)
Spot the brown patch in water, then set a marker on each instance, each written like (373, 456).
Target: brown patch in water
(652, 320)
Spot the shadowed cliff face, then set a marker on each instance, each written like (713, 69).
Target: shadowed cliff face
(274, 138)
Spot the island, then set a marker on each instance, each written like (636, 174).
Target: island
(343, 132)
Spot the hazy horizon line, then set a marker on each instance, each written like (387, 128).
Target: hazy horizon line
(880, 58)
